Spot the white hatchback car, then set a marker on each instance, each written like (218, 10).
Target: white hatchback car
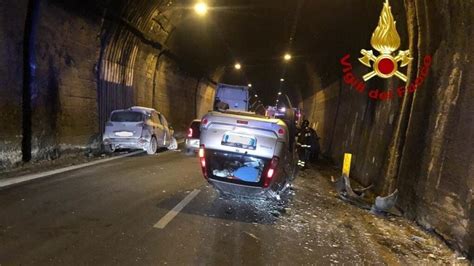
(138, 128)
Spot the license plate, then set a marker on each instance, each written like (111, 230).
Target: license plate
(240, 141)
(124, 134)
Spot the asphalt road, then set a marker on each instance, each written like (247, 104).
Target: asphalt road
(107, 215)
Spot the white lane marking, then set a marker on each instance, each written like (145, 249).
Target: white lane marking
(21, 179)
(161, 224)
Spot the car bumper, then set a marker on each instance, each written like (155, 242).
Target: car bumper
(192, 144)
(141, 144)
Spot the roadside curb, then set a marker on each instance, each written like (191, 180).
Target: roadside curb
(22, 179)
(7, 182)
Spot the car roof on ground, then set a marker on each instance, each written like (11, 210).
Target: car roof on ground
(141, 108)
(137, 109)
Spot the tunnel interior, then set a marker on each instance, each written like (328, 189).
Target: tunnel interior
(68, 64)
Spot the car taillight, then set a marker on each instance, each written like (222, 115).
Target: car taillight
(202, 159)
(271, 171)
(190, 133)
(281, 131)
(204, 121)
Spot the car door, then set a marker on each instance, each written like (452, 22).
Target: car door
(158, 128)
(166, 130)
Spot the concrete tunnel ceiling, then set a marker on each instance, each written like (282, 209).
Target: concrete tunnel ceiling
(254, 33)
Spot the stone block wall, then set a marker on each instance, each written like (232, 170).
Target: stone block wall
(70, 75)
(421, 144)
(12, 24)
(64, 101)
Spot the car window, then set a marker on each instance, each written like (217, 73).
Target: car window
(163, 120)
(126, 116)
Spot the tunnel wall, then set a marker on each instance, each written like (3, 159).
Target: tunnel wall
(435, 172)
(64, 98)
(422, 143)
(350, 122)
(88, 63)
(12, 24)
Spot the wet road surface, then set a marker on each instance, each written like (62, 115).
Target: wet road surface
(107, 214)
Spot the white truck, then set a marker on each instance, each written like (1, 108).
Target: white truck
(237, 97)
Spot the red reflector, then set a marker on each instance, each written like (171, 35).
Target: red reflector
(204, 121)
(270, 173)
(203, 160)
(242, 122)
(281, 131)
(190, 133)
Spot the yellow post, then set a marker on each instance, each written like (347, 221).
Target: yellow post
(346, 167)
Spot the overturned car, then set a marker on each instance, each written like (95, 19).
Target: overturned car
(246, 154)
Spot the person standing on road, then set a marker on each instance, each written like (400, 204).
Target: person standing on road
(306, 142)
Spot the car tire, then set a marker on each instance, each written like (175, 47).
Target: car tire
(152, 147)
(109, 149)
(173, 144)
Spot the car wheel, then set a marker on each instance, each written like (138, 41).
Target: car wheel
(173, 145)
(109, 148)
(152, 147)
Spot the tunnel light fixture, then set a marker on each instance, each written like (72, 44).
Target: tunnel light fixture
(250, 85)
(201, 8)
(238, 66)
(282, 79)
(279, 93)
(256, 95)
(287, 57)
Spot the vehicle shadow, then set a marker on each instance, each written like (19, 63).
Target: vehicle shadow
(208, 203)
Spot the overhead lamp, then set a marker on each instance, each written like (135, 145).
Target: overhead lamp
(256, 95)
(201, 8)
(282, 79)
(237, 66)
(279, 93)
(250, 85)
(287, 57)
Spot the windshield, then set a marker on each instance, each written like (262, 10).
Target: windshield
(127, 116)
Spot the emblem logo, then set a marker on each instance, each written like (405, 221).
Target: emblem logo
(386, 41)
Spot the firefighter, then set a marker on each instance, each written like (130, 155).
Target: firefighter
(306, 144)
